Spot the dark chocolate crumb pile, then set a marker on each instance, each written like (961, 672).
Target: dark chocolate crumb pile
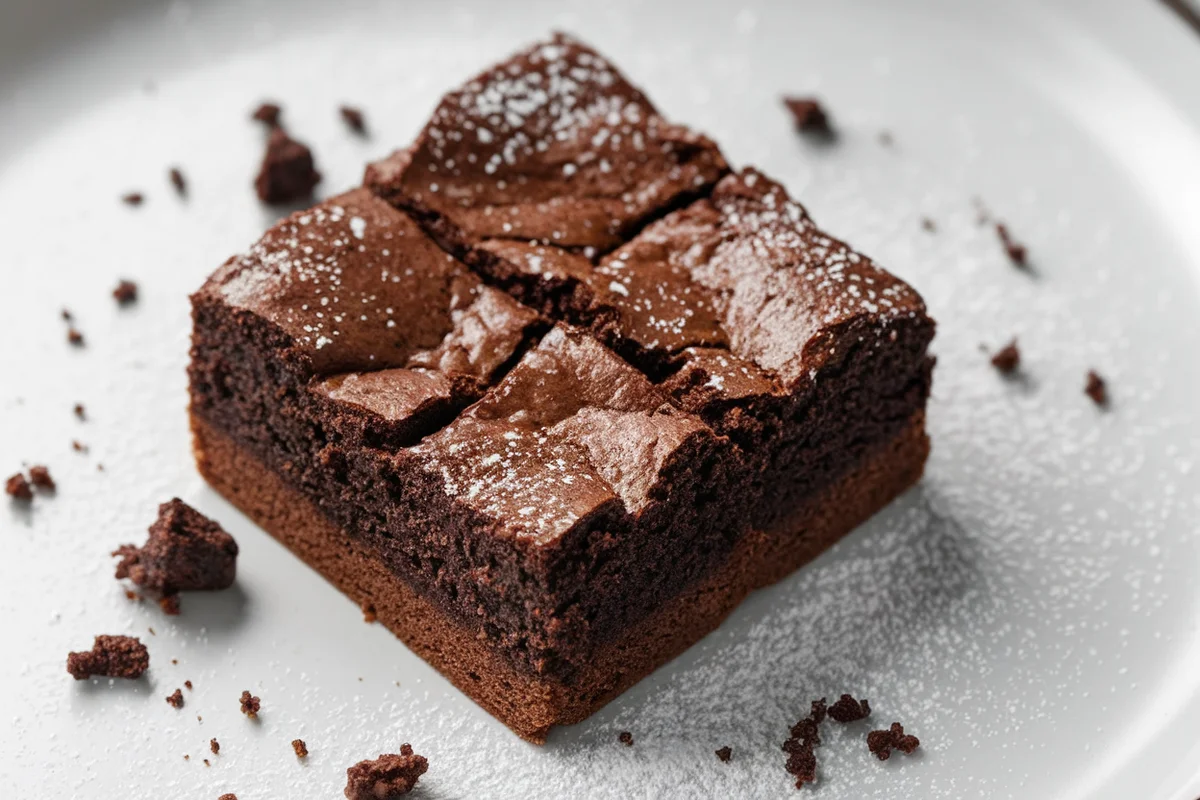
(186, 551)
(725, 753)
(1015, 250)
(1007, 358)
(300, 747)
(250, 705)
(881, 743)
(808, 115)
(110, 657)
(386, 777)
(625, 738)
(126, 292)
(1096, 389)
(354, 119)
(18, 488)
(847, 709)
(175, 699)
(805, 735)
(178, 181)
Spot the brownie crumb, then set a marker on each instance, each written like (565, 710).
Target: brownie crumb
(386, 777)
(287, 171)
(625, 738)
(78, 446)
(725, 753)
(188, 684)
(228, 796)
(928, 224)
(134, 596)
(268, 113)
(133, 198)
(39, 476)
(178, 181)
(18, 488)
(1096, 389)
(819, 711)
(881, 743)
(808, 114)
(250, 705)
(175, 699)
(1015, 250)
(66, 315)
(126, 292)
(186, 757)
(300, 747)
(847, 709)
(368, 612)
(802, 764)
(80, 411)
(207, 763)
(169, 604)
(186, 551)
(74, 336)
(110, 657)
(1007, 358)
(354, 119)
(215, 746)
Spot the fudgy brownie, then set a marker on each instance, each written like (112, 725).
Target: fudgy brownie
(555, 390)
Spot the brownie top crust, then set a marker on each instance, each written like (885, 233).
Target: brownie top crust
(552, 145)
(357, 285)
(747, 271)
(571, 433)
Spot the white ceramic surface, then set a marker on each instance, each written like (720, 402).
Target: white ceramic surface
(1030, 611)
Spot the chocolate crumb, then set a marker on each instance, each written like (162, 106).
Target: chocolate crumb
(74, 336)
(1007, 358)
(174, 660)
(214, 745)
(78, 446)
(111, 657)
(126, 292)
(132, 595)
(300, 747)
(207, 763)
(66, 315)
(228, 796)
(188, 684)
(287, 171)
(1096, 389)
(386, 777)
(725, 753)
(625, 738)
(847, 709)
(802, 764)
(18, 488)
(928, 224)
(133, 198)
(80, 411)
(186, 551)
(178, 181)
(169, 604)
(39, 476)
(881, 743)
(1016, 251)
(175, 699)
(268, 113)
(354, 119)
(368, 612)
(250, 705)
(186, 757)
(808, 114)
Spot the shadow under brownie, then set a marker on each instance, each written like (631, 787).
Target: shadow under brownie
(549, 493)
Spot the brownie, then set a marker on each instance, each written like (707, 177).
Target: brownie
(556, 390)
(287, 172)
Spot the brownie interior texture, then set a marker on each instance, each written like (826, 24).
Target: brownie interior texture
(555, 360)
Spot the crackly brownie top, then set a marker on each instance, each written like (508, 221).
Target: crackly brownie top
(745, 271)
(357, 286)
(572, 431)
(554, 144)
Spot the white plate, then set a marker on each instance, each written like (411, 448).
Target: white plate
(1030, 611)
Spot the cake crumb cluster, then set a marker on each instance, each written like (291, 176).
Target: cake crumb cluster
(882, 742)
(110, 657)
(250, 704)
(389, 776)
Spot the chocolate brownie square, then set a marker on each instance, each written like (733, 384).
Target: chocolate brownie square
(555, 390)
